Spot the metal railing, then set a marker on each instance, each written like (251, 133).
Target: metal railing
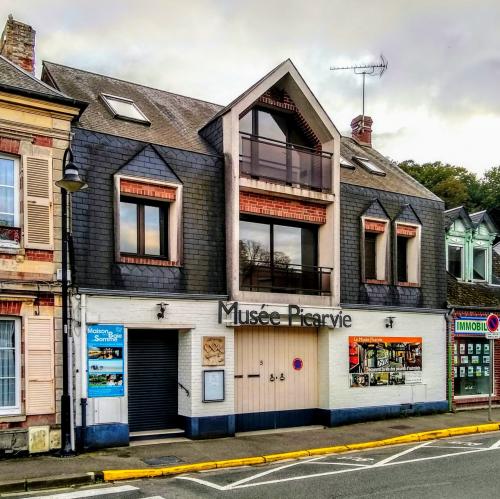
(288, 163)
(275, 277)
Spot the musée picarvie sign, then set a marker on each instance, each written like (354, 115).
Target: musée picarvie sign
(295, 317)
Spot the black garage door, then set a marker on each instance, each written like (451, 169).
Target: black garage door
(152, 379)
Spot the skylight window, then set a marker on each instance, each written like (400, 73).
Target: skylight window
(369, 165)
(345, 163)
(124, 109)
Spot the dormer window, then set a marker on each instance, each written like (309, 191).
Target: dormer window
(124, 109)
(346, 163)
(479, 264)
(369, 165)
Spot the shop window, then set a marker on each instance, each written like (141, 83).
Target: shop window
(9, 202)
(407, 254)
(471, 372)
(479, 264)
(455, 261)
(375, 250)
(10, 369)
(143, 228)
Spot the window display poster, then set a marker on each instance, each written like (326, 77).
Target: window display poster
(464, 359)
(478, 348)
(470, 371)
(486, 359)
(383, 361)
(486, 371)
(486, 348)
(105, 365)
(462, 372)
(475, 359)
(478, 370)
(470, 348)
(455, 373)
(462, 348)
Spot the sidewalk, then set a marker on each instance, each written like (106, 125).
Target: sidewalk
(184, 451)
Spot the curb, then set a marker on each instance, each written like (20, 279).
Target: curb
(115, 475)
(54, 481)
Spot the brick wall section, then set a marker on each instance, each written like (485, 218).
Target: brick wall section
(147, 190)
(40, 255)
(40, 140)
(354, 202)
(100, 156)
(10, 307)
(479, 400)
(140, 260)
(271, 206)
(9, 146)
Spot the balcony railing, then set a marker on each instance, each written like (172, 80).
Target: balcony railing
(286, 163)
(10, 237)
(285, 278)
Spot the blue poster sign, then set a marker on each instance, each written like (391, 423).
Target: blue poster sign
(105, 365)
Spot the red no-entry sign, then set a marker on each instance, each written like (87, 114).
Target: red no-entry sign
(493, 326)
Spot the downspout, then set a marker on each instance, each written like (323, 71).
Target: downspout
(448, 316)
(83, 370)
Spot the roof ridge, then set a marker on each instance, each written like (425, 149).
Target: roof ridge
(131, 83)
(40, 82)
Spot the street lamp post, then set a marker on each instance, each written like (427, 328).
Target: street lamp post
(71, 182)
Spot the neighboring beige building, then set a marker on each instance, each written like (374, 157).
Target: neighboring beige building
(35, 124)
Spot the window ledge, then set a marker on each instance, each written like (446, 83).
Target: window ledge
(408, 284)
(12, 419)
(376, 281)
(143, 260)
(11, 250)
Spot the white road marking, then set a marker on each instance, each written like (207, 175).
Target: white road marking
(496, 445)
(467, 444)
(356, 458)
(454, 447)
(90, 493)
(399, 454)
(203, 482)
(339, 464)
(350, 470)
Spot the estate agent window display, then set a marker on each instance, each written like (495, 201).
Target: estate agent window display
(471, 371)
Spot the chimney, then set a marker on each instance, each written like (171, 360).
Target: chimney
(18, 44)
(362, 129)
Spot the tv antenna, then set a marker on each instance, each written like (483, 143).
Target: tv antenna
(376, 69)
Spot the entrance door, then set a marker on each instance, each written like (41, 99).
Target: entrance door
(272, 390)
(152, 379)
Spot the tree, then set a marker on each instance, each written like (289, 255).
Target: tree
(490, 187)
(455, 185)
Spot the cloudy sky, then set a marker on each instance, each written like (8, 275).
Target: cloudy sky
(439, 99)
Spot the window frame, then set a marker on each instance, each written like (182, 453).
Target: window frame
(486, 265)
(164, 224)
(15, 410)
(16, 186)
(413, 245)
(105, 98)
(462, 263)
(270, 222)
(382, 246)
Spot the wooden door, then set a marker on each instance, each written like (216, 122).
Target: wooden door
(265, 378)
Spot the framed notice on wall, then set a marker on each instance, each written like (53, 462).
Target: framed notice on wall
(213, 386)
(105, 367)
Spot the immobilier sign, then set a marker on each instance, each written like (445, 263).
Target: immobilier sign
(471, 325)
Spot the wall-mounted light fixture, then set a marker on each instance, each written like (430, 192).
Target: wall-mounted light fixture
(389, 322)
(163, 307)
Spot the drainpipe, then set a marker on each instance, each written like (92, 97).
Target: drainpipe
(83, 369)
(448, 317)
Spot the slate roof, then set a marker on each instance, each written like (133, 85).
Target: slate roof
(17, 80)
(462, 294)
(459, 212)
(175, 119)
(394, 180)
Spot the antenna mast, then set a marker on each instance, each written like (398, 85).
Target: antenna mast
(366, 69)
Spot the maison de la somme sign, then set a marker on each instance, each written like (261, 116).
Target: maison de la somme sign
(295, 317)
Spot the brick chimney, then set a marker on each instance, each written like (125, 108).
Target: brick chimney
(362, 129)
(18, 44)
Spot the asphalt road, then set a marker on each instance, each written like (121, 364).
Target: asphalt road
(464, 467)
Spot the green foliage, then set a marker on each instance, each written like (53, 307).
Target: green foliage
(456, 186)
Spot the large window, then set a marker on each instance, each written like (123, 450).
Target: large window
(455, 261)
(9, 192)
(375, 250)
(479, 264)
(143, 228)
(280, 257)
(471, 372)
(9, 366)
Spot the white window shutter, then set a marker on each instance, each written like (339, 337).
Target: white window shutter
(37, 202)
(39, 365)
